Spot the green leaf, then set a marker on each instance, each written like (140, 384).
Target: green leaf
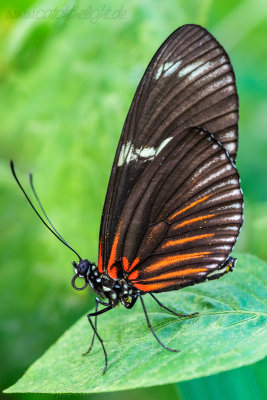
(228, 333)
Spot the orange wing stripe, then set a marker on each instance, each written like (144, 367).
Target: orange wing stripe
(190, 206)
(134, 263)
(191, 221)
(100, 261)
(113, 271)
(153, 286)
(174, 259)
(113, 252)
(125, 263)
(133, 275)
(176, 274)
(185, 240)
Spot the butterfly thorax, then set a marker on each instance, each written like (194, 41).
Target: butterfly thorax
(115, 291)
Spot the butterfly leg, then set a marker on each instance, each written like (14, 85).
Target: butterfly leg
(152, 330)
(97, 301)
(95, 314)
(173, 312)
(131, 304)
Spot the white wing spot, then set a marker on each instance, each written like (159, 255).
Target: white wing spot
(172, 68)
(159, 71)
(233, 218)
(123, 154)
(211, 265)
(189, 68)
(229, 135)
(230, 194)
(216, 272)
(214, 176)
(230, 228)
(229, 207)
(229, 146)
(146, 152)
(167, 69)
(223, 81)
(219, 258)
(198, 68)
(199, 71)
(129, 153)
(228, 239)
(225, 247)
(163, 144)
(236, 205)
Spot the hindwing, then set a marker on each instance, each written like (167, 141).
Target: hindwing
(183, 216)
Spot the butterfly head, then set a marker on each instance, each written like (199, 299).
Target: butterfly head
(82, 270)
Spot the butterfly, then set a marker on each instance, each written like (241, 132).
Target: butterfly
(174, 206)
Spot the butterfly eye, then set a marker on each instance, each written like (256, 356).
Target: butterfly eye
(83, 267)
(81, 270)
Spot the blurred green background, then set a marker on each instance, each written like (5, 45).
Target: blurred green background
(68, 73)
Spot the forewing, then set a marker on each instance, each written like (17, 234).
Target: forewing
(183, 216)
(189, 82)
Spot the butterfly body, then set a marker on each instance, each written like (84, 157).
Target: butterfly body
(110, 289)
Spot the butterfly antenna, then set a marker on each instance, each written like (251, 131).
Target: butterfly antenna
(42, 208)
(56, 234)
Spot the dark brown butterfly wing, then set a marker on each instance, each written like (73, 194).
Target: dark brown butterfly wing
(183, 216)
(189, 82)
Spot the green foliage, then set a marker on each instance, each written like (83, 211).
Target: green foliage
(228, 333)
